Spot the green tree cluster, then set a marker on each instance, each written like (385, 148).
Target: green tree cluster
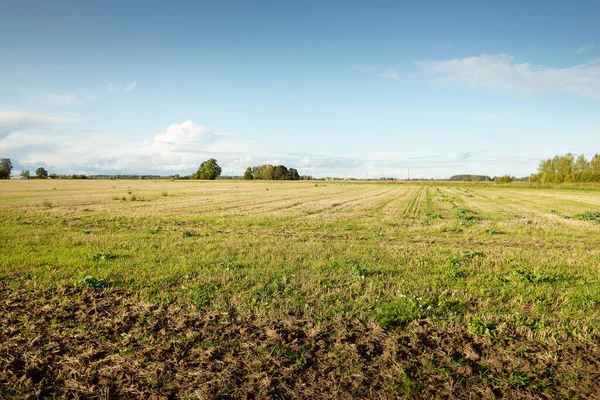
(209, 170)
(270, 172)
(567, 169)
(5, 168)
(41, 173)
(504, 179)
(470, 178)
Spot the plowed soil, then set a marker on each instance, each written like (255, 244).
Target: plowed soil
(103, 343)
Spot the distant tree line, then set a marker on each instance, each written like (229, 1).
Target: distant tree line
(470, 178)
(558, 169)
(567, 168)
(268, 172)
(504, 179)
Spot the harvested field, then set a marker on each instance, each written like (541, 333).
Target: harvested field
(160, 289)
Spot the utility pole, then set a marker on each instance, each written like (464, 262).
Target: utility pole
(409, 174)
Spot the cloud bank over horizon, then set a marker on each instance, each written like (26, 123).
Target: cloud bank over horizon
(34, 140)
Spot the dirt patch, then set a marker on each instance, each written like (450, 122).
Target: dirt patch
(90, 343)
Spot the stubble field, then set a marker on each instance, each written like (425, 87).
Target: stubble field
(232, 289)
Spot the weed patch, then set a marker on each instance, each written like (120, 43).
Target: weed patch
(466, 216)
(92, 282)
(104, 256)
(589, 216)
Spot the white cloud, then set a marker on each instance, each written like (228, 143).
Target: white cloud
(499, 71)
(585, 48)
(130, 86)
(363, 68)
(184, 137)
(15, 120)
(121, 87)
(390, 73)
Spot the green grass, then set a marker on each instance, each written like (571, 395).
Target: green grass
(226, 245)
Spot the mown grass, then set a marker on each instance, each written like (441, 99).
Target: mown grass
(498, 262)
(276, 261)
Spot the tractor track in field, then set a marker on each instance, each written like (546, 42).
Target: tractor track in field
(412, 208)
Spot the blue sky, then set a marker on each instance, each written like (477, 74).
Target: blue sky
(346, 88)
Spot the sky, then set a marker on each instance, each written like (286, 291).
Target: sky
(333, 88)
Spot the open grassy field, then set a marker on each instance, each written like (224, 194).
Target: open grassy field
(231, 289)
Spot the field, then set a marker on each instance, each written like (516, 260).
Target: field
(232, 289)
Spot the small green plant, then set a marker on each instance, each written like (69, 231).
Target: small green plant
(90, 281)
(454, 229)
(187, 234)
(133, 197)
(466, 216)
(359, 271)
(176, 222)
(424, 222)
(104, 256)
(165, 194)
(518, 379)
(403, 309)
(493, 231)
(126, 351)
(409, 388)
(398, 313)
(455, 273)
(468, 254)
(86, 231)
(524, 276)
(478, 326)
(47, 204)
(453, 261)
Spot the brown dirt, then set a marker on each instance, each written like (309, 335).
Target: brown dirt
(90, 343)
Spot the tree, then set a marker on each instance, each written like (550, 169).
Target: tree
(566, 168)
(5, 168)
(470, 178)
(503, 179)
(269, 172)
(294, 175)
(248, 174)
(41, 173)
(25, 173)
(208, 170)
(280, 172)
